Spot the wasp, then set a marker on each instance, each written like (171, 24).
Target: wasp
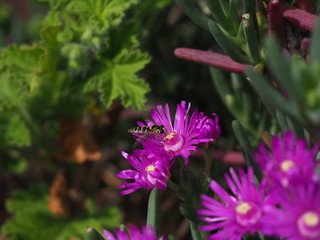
(154, 129)
(147, 132)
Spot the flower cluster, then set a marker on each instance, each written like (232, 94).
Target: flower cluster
(285, 204)
(289, 162)
(164, 140)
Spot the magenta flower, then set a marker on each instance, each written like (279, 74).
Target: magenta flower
(185, 133)
(297, 215)
(147, 233)
(238, 214)
(289, 161)
(209, 127)
(152, 170)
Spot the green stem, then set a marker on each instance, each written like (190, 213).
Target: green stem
(184, 167)
(242, 137)
(173, 186)
(153, 217)
(207, 169)
(195, 233)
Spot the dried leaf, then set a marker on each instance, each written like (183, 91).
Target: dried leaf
(59, 201)
(77, 145)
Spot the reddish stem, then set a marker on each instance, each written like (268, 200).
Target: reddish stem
(276, 26)
(211, 59)
(299, 17)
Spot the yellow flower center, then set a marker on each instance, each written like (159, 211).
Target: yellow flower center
(150, 168)
(173, 142)
(286, 165)
(310, 219)
(247, 213)
(243, 208)
(308, 225)
(170, 135)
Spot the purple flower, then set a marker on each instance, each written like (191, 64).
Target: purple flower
(288, 161)
(147, 233)
(152, 170)
(238, 214)
(181, 137)
(209, 127)
(297, 213)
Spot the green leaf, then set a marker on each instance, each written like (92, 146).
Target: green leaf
(154, 214)
(56, 4)
(224, 92)
(54, 94)
(244, 101)
(244, 142)
(282, 121)
(192, 186)
(49, 41)
(44, 2)
(124, 38)
(88, 39)
(14, 163)
(225, 8)
(227, 45)
(5, 12)
(104, 13)
(119, 80)
(196, 233)
(52, 3)
(249, 6)
(53, 19)
(217, 13)
(170, 237)
(272, 97)
(282, 70)
(191, 8)
(92, 234)
(234, 17)
(33, 221)
(17, 134)
(27, 201)
(12, 93)
(251, 37)
(315, 48)
(287, 123)
(21, 64)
